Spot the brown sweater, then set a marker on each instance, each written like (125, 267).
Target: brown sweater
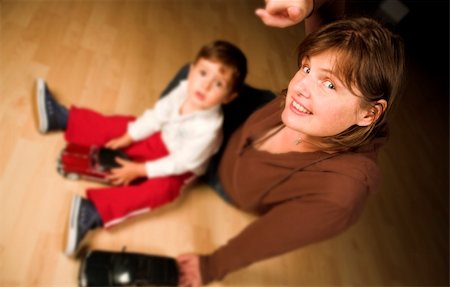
(301, 198)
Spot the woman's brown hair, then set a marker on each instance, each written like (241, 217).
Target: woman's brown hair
(370, 60)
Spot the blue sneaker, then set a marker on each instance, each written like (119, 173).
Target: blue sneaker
(52, 116)
(83, 218)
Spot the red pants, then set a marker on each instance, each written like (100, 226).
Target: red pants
(115, 204)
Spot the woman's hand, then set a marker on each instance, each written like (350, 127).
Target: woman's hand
(189, 266)
(128, 172)
(120, 142)
(284, 13)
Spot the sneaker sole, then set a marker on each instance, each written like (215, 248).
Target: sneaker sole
(40, 106)
(71, 241)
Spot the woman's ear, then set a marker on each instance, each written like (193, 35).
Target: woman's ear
(372, 114)
(230, 98)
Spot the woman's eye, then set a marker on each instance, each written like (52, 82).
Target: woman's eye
(202, 72)
(306, 69)
(329, 85)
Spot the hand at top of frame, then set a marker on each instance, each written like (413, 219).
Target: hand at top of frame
(285, 13)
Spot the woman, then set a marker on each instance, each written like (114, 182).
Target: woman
(306, 162)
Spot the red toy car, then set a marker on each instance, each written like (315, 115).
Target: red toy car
(88, 162)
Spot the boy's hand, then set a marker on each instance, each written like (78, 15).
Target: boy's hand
(189, 266)
(120, 142)
(128, 172)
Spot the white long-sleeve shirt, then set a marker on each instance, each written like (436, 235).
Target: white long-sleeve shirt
(191, 139)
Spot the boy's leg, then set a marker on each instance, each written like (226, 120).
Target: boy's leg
(109, 206)
(88, 127)
(115, 204)
(82, 126)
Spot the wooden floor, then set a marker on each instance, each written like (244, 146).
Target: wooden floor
(116, 57)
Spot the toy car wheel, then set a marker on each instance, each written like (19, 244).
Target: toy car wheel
(59, 167)
(72, 176)
(60, 170)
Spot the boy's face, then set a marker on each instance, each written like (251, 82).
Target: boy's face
(209, 84)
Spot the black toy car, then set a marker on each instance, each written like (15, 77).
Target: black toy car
(106, 268)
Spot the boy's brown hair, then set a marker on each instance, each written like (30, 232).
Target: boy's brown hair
(230, 56)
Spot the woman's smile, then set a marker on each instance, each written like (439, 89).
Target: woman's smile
(298, 108)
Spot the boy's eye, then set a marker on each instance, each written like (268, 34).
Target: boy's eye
(202, 72)
(306, 69)
(219, 84)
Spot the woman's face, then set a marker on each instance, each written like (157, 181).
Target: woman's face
(317, 103)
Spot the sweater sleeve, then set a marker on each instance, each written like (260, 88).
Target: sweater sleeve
(285, 227)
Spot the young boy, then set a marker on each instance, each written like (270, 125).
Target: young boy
(169, 145)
